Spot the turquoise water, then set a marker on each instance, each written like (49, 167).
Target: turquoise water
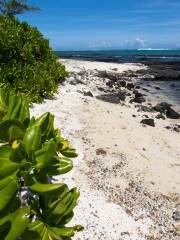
(123, 55)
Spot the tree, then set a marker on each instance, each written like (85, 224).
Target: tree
(14, 7)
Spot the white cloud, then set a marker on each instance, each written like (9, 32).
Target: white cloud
(134, 43)
(100, 45)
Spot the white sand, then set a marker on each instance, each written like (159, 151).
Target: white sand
(139, 171)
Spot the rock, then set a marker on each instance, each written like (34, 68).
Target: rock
(122, 96)
(176, 129)
(109, 75)
(137, 94)
(134, 115)
(168, 127)
(145, 89)
(148, 121)
(165, 108)
(137, 87)
(172, 85)
(122, 83)
(112, 98)
(101, 89)
(89, 94)
(160, 116)
(170, 113)
(143, 108)
(157, 88)
(130, 86)
(138, 100)
(100, 151)
(110, 84)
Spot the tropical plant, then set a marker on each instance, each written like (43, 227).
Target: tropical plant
(27, 63)
(14, 7)
(32, 152)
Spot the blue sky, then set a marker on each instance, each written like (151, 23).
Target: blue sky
(107, 24)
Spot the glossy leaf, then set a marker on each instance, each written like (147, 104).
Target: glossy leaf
(60, 166)
(8, 189)
(69, 152)
(44, 156)
(47, 232)
(11, 130)
(48, 190)
(32, 139)
(17, 221)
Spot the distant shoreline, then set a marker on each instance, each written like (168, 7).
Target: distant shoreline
(123, 56)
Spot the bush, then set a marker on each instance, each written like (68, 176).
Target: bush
(31, 153)
(27, 63)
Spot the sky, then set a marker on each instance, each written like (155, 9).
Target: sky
(107, 24)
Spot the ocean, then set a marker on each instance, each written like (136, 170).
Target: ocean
(123, 55)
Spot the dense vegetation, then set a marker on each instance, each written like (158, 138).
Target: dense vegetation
(32, 152)
(27, 63)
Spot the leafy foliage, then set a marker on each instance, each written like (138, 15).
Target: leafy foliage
(31, 153)
(27, 64)
(14, 7)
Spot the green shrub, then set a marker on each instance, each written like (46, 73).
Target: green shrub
(31, 153)
(27, 63)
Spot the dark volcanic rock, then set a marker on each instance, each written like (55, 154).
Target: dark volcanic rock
(137, 94)
(109, 75)
(161, 71)
(112, 98)
(172, 85)
(157, 88)
(138, 100)
(101, 89)
(122, 95)
(148, 121)
(160, 116)
(122, 83)
(89, 94)
(170, 113)
(166, 109)
(145, 109)
(138, 87)
(130, 86)
(145, 89)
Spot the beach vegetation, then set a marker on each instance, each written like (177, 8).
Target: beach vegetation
(27, 64)
(33, 205)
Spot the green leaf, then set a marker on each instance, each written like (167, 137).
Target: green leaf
(11, 130)
(16, 110)
(32, 139)
(67, 231)
(59, 166)
(15, 223)
(44, 156)
(69, 152)
(8, 190)
(45, 122)
(59, 209)
(46, 232)
(48, 190)
(7, 168)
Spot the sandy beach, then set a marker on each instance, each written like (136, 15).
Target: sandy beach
(128, 172)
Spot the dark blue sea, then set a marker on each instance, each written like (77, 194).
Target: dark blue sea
(123, 55)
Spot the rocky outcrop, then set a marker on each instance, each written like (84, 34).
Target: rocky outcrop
(148, 121)
(166, 109)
